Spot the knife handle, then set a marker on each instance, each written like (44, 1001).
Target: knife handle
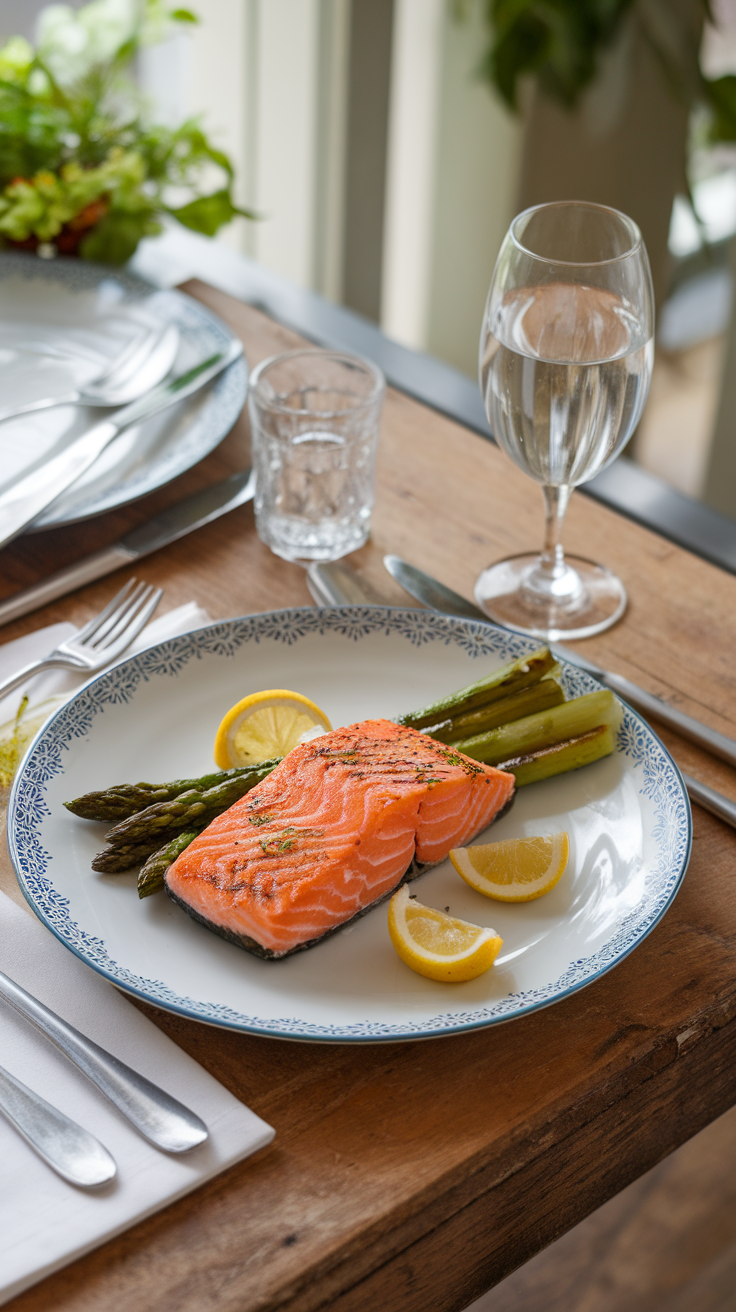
(333, 584)
(64, 581)
(712, 801)
(713, 741)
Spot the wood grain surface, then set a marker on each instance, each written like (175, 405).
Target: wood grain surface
(412, 1177)
(667, 1243)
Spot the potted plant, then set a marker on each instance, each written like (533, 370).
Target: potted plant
(83, 169)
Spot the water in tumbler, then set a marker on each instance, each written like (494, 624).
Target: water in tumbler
(315, 494)
(565, 373)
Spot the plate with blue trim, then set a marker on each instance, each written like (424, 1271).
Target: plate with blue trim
(62, 323)
(154, 716)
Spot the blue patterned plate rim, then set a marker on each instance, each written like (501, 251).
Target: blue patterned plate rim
(663, 785)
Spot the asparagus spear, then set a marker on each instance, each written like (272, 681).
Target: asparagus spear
(125, 856)
(560, 758)
(194, 807)
(510, 678)
(151, 876)
(538, 697)
(121, 800)
(569, 720)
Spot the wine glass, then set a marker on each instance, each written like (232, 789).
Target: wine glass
(566, 355)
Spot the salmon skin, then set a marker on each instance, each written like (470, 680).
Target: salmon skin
(336, 827)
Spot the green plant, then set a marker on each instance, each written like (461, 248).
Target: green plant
(82, 168)
(560, 44)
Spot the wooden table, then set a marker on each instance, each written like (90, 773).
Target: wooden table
(412, 1177)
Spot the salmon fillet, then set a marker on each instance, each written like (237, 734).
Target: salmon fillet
(334, 829)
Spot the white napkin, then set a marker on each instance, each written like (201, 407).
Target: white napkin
(58, 683)
(44, 1222)
(47, 691)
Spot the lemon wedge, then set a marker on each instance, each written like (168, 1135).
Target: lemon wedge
(267, 724)
(515, 870)
(437, 945)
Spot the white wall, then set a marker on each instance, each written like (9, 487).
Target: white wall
(269, 77)
(416, 66)
(454, 159)
(479, 145)
(200, 70)
(18, 17)
(284, 168)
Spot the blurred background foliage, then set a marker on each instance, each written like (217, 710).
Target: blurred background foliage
(83, 167)
(561, 43)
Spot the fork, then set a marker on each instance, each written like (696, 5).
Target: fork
(106, 636)
(143, 363)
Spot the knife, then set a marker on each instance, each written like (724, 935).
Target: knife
(327, 588)
(183, 517)
(438, 597)
(24, 501)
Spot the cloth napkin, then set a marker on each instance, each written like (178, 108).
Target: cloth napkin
(62, 683)
(45, 1222)
(47, 691)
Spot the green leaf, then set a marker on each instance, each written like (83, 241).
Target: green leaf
(720, 95)
(115, 238)
(208, 213)
(557, 41)
(82, 124)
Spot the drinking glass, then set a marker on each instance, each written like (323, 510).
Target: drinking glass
(315, 419)
(566, 355)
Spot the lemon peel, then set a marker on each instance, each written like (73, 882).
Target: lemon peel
(516, 869)
(437, 945)
(266, 724)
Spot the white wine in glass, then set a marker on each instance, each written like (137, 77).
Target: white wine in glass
(565, 363)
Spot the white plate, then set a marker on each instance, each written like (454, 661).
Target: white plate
(154, 717)
(83, 315)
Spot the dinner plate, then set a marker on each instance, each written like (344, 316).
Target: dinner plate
(154, 716)
(61, 323)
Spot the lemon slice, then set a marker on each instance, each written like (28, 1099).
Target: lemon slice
(437, 945)
(266, 724)
(515, 870)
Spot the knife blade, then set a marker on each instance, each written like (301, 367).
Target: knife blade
(329, 587)
(183, 517)
(437, 597)
(430, 592)
(24, 501)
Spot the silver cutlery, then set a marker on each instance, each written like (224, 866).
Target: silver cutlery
(143, 363)
(710, 800)
(326, 583)
(183, 517)
(438, 597)
(23, 502)
(105, 637)
(72, 1152)
(159, 1117)
(333, 583)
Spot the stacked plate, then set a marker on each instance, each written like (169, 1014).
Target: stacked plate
(62, 323)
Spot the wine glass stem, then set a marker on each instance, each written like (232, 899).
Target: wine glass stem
(555, 504)
(551, 580)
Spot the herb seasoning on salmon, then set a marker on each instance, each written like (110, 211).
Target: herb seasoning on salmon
(336, 827)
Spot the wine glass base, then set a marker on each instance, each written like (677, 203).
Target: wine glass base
(503, 592)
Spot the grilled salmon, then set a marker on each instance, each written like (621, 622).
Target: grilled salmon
(334, 829)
